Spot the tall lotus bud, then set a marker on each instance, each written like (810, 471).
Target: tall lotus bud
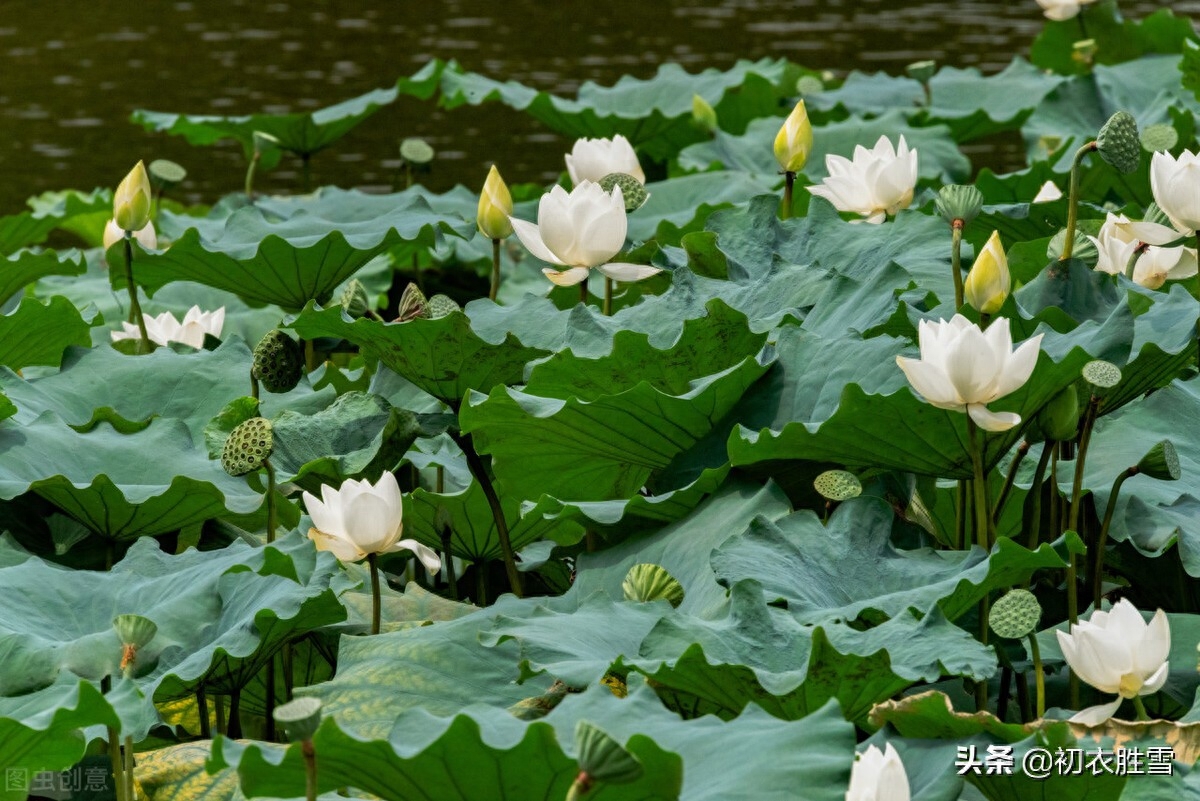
(495, 207)
(794, 141)
(703, 114)
(131, 201)
(989, 282)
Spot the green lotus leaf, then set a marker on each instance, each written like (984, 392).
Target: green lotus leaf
(682, 204)
(290, 261)
(602, 449)
(24, 267)
(1117, 40)
(38, 333)
(443, 356)
(303, 133)
(49, 211)
(850, 569)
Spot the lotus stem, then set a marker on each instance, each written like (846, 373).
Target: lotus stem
(1140, 707)
(135, 308)
(608, 293)
(1055, 520)
(310, 356)
(306, 171)
(439, 481)
(1102, 539)
(451, 579)
(288, 664)
(376, 603)
(479, 470)
(960, 516)
(1073, 200)
(1085, 437)
(1038, 676)
(480, 585)
(495, 289)
(233, 728)
(1023, 698)
(250, 174)
(118, 764)
(128, 767)
(1009, 479)
(983, 519)
(254, 387)
(219, 703)
(583, 292)
(789, 179)
(956, 233)
(269, 698)
(1039, 477)
(272, 512)
(202, 709)
(310, 769)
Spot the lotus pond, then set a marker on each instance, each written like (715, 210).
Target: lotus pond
(773, 452)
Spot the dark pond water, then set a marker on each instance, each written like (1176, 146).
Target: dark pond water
(72, 71)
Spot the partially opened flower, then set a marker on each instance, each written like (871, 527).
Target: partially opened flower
(989, 281)
(1059, 10)
(578, 231)
(1122, 240)
(495, 206)
(1176, 187)
(144, 235)
(964, 368)
(876, 183)
(165, 328)
(878, 776)
(361, 519)
(1118, 652)
(592, 159)
(131, 200)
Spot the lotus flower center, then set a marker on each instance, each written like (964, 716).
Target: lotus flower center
(1130, 684)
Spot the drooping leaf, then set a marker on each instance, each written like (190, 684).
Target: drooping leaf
(23, 268)
(38, 333)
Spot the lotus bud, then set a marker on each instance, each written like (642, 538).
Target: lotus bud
(959, 202)
(921, 71)
(299, 718)
(412, 304)
(837, 485)
(440, 306)
(495, 207)
(166, 174)
(794, 141)
(1118, 142)
(601, 760)
(131, 201)
(248, 446)
(645, 582)
(989, 282)
(278, 362)
(1101, 376)
(703, 114)
(632, 191)
(416, 151)
(1161, 462)
(355, 301)
(1015, 614)
(1058, 421)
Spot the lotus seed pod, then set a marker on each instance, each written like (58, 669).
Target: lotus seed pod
(1161, 462)
(355, 300)
(1015, 614)
(1161, 136)
(837, 485)
(416, 151)
(299, 718)
(165, 174)
(959, 202)
(1058, 420)
(646, 582)
(248, 446)
(1102, 376)
(602, 758)
(278, 362)
(1084, 249)
(134, 630)
(440, 306)
(412, 304)
(921, 70)
(632, 190)
(1118, 142)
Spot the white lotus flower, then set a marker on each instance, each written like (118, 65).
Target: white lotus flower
(145, 235)
(1049, 192)
(1118, 652)
(964, 368)
(1122, 239)
(1062, 9)
(165, 328)
(361, 519)
(578, 231)
(876, 183)
(878, 776)
(592, 159)
(1176, 187)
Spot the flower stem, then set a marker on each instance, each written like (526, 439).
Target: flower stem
(250, 174)
(451, 579)
(376, 612)
(608, 293)
(310, 769)
(1038, 675)
(1009, 479)
(983, 519)
(956, 232)
(272, 512)
(1034, 523)
(254, 387)
(1140, 707)
(128, 767)
(306, 171)
(479, 471)
(118, 764)
(1102, 539)
(135, 308)
(495, 288)
(583, 292)
(233, 728)
(202, 709)
(960, 517)
(1073, 201)
(789, 179)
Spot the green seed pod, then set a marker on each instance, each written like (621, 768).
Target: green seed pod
(165, 174)
(134, 630)
(921, 70)
(1058, 420)
(959, 202)
(1161, 462)
(632, 190)
(412, 304)
(416, 151)
(1161, 136)
(837, 485)
(1118, 142)
(1084, 249)
(647, 582)
(299, 718)
(248, 446)
(1015, 614)
(440, 306)
(355, 300)
(602, 758)
(278, 362)
(1102, 376)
